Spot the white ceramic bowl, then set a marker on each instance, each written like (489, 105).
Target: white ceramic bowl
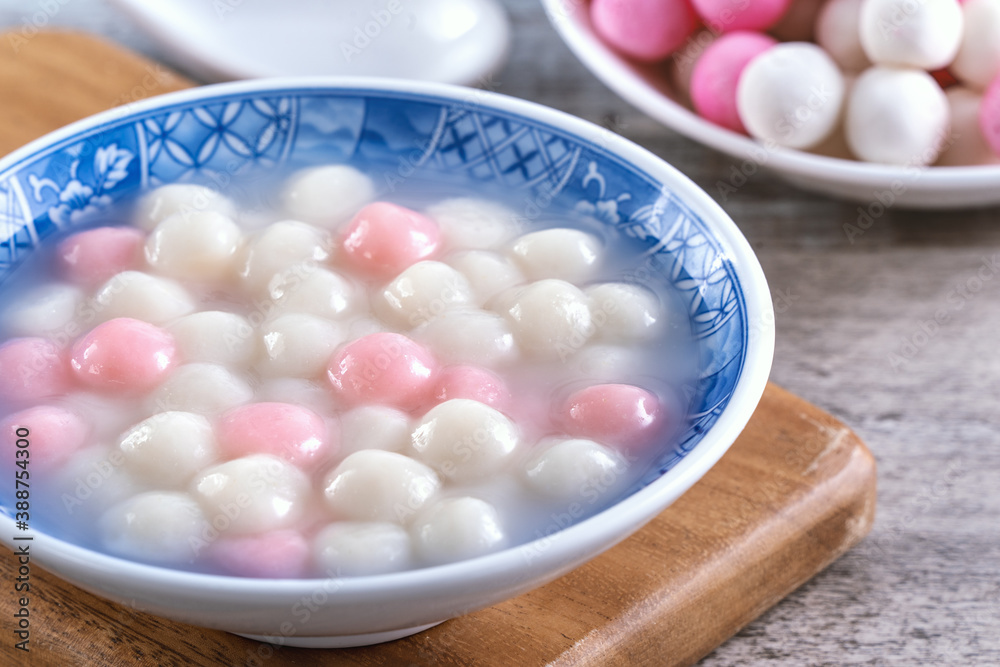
(545, 158)
(650, 89)
(449, 41)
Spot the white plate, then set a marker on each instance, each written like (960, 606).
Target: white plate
(876, 186)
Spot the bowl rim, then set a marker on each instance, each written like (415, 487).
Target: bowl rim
(561, 547)
(571, 22)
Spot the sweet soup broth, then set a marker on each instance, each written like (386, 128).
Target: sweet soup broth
(333, 380)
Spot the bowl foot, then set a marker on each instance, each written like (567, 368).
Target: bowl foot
(339, 641)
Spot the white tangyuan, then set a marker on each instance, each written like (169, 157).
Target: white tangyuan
(374, 427)
(298, 345)
(897, 116)
(924, 34)
(622, 312)
(575, 469)
(465, 440)
(359, 548)
(471, 223)
(313, 290)
(207, 389)
(457, 528)
(199, 247)
(157, 526)
(45, 310)
(104, 414)
(607, 362)
(977, 62)
(421, 293)
(179, 199)
(837, 32)
(306, 393)
(549, 318)
(469, 336)
(374, 485)
(488, 273)
(142, 297)
(253, 494)
(792, 95)
(280, 246)
(564, 254)
(93, 479)
(364, 326)
(327, 195)
(167, 449)
(215, 336)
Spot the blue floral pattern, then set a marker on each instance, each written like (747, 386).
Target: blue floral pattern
(389, 133)
(17, 229)
(604, 210)
(77, 200)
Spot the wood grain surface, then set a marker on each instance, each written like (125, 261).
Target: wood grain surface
(795, 492)
(54, 78)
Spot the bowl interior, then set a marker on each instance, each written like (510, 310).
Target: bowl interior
(399, 136)
(436, 134)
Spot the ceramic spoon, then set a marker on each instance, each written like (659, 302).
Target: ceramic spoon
(450, 41)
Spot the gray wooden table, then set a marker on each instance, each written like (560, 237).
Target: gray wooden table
(924, 588)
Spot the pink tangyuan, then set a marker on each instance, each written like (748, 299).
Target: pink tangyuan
(383, 368)
(291, 432)
(279, 554)
(383, 239)
(620, 415)
(92, 257)
(124, 354)
(53, 434)
(730, 15)
(716, 75)
(32, 369)
(472, 382)
(644, 30)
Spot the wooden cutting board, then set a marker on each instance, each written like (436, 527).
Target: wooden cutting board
(795, 492)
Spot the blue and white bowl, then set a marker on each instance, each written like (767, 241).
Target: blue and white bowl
(454, 135)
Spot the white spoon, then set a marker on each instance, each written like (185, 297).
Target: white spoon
(450, 41)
